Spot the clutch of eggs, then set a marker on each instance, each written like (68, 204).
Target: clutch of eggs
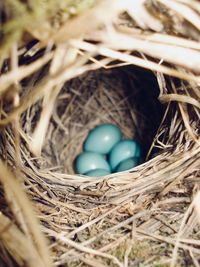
(106, 152)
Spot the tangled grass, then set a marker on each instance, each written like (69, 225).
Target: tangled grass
(61, 62)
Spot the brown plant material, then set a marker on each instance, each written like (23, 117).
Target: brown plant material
(58, 95)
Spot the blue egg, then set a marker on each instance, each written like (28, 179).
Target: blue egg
(127, 164)
(88, 161)
(123, 150)
(97, 173)
(102, 138)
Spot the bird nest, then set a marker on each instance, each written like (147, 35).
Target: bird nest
(137, 66)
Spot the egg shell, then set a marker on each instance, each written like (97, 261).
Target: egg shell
(127, 164)
(88, 161)
(102, 138)
(97, 173)
(123, 150)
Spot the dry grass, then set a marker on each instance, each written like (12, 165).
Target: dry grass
(148, 216)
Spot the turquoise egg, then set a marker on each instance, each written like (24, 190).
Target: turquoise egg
(127, 164)
(97, 173)
(123, 150)
(102, 138)
(88, 161)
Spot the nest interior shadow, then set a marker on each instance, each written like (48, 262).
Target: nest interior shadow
(125, 96)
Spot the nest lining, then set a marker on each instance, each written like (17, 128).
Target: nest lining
(126, 97)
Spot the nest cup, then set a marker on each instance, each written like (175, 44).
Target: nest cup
(146, 216)
(126, 97)
(66, 202)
